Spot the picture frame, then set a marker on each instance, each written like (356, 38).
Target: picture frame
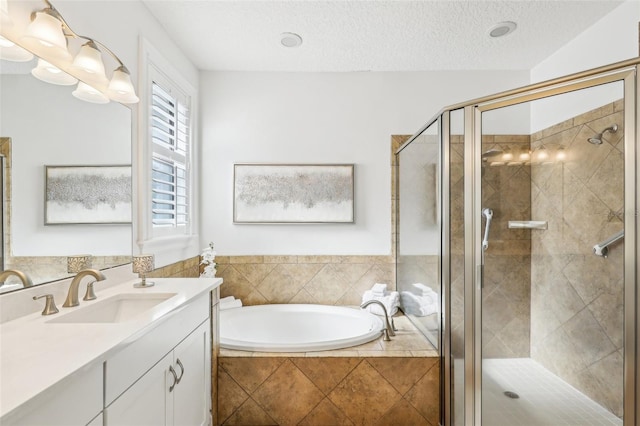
(293, 193)
(87, 194)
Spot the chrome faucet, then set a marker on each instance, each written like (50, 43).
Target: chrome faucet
(72, 295)
(389, 329)
(26, 281)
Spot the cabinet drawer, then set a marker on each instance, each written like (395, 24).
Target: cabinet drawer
(126, 366)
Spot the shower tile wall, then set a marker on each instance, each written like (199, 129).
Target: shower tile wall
(329, 280)
(577, 297)
(507, 276)
(506, 189)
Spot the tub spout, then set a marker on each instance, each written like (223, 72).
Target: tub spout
(389, 329)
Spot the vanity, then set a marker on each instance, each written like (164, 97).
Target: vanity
(133, 356)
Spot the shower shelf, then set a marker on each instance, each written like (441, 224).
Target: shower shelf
(527, 224)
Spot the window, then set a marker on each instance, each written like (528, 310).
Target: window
(167, 176)
(170, 139)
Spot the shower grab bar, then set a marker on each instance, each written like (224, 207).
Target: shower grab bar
(602, 248)
(488, 214)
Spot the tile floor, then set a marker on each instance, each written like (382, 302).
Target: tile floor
(545, 399)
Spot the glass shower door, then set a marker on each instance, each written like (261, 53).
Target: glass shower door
(549, 238)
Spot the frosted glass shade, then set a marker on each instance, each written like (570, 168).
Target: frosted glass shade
(120, 87)
(44, 36)
(11, 52)
(89, 61)
(51, 74)
(89, 94)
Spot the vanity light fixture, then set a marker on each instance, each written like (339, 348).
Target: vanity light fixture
(12, 52)
(89, 94)
(89, 61)
(45, 36)
(52, 74)
(48, 36)
(549, 153)
(541, 154)
(143, 264)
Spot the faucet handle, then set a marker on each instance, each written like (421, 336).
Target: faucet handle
(90, 294)
(49, 305)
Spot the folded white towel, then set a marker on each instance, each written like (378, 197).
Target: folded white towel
(391, 302)
(227, 299)
(418, 305)
(379, 289)
(237, 303)
(423, 290)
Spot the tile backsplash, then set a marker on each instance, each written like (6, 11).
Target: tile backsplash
(329, 280)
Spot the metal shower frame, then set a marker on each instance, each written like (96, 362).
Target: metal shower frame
(626, 72)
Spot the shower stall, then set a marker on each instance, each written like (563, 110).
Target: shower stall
(517, 251)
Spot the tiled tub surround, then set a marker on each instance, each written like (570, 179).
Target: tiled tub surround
(378, 383)
(577, 297)
(327, 280)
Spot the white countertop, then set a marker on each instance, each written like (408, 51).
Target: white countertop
(36, 355)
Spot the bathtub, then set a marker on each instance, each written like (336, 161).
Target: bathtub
(296, 328)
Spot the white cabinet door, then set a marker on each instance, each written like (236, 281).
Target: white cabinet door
(147, 402)
(192, 363)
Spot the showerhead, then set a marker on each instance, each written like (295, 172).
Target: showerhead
(597, 139)
(491, 153)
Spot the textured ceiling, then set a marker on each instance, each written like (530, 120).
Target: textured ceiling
(373, 35)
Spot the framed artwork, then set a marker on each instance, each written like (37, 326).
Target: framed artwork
(293, 193)
(87, 195)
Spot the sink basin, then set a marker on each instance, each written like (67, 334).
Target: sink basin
(119, 308)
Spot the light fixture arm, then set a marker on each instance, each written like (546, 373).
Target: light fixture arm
(68, 32)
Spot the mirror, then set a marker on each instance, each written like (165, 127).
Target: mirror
(44, 125)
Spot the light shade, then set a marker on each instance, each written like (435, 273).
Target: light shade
(89, 61)
(45, 37)
(11, 52)
(78, 262)
(51, 74)
(87, 93)
(120, 87)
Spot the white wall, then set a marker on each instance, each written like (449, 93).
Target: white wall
(319, 118)
(612, 39)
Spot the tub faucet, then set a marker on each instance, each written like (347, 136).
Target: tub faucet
(389, 329)
(26, 281)
(72, 295)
